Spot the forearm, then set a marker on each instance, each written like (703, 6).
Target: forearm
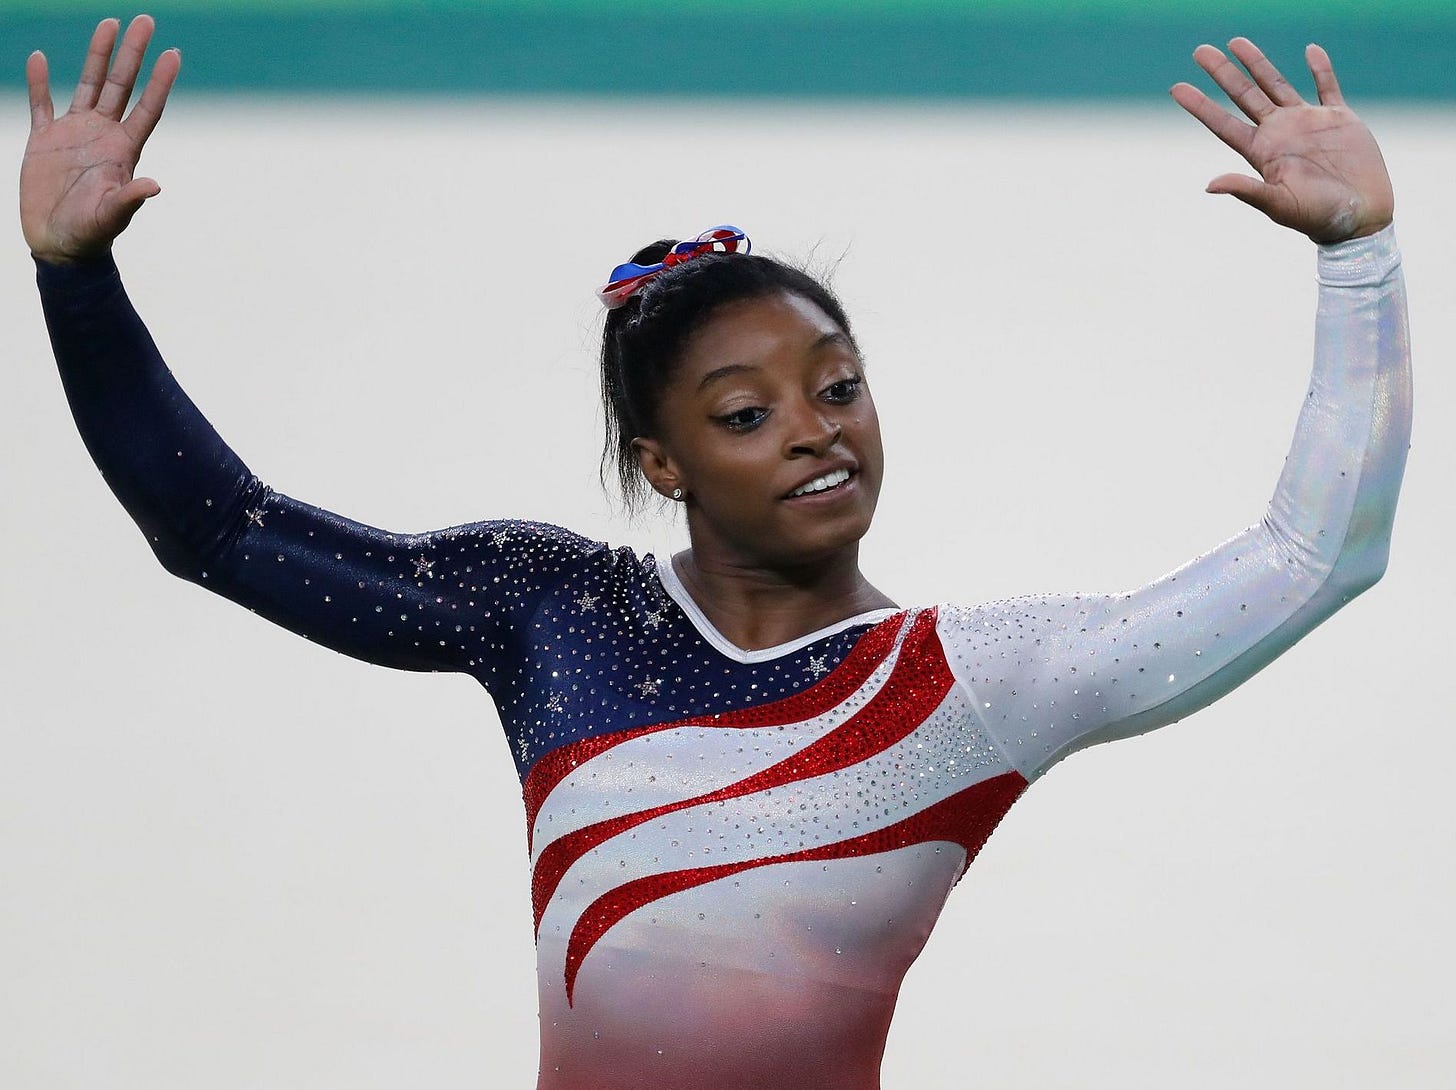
(445, 600)
(208, 519)
(1064, 672)
(184, 487)
(1335, 501)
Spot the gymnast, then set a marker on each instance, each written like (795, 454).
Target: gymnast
(751, 779)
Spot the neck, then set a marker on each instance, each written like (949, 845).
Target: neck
(755, 606)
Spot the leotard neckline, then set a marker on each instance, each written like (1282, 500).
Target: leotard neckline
(673, 585)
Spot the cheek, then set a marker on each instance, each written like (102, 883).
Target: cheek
(725, 472)
(867, 429)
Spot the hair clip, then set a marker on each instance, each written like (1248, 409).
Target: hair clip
(630, 278)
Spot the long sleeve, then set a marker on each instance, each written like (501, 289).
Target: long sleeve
(1050, 675)
(446, 600)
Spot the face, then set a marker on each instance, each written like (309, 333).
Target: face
(769, 429)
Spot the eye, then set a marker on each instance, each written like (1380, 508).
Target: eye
(743, 419)
(844, 391)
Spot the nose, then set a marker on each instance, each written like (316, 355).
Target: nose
(814, 434)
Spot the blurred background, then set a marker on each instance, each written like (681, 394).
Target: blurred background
(893, 49)
(232, 860)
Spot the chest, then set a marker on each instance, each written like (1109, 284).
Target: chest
(848, 810)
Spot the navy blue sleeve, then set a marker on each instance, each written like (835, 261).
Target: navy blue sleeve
(446, 600)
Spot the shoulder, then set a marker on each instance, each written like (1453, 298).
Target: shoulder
(519, 559)
(1012, 634)
(522, 544)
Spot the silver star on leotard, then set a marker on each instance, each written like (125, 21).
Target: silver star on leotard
(587, 601)
(650, 686)
(422, 566)
(254, 516)
(653, 618)
(818, 665)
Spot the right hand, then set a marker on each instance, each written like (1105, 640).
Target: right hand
(77, 192)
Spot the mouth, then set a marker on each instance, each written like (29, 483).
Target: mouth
(827, 482)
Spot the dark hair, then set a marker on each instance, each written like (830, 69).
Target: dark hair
(644, 338)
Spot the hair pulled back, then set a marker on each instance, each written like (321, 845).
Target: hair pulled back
(644, 338)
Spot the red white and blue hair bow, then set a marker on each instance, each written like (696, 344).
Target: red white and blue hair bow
(630, 278)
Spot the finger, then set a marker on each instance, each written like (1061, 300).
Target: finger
(93, 71)
(37, 78)
(122, 77)
(1270, 80)
(1323, 72)
(1244, 92)
(1215, 118)
(118, 208)
(1251, 191)
(148, 110)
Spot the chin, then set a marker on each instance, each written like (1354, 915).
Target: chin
(835, 539)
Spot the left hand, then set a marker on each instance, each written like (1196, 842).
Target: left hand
(1322, 172)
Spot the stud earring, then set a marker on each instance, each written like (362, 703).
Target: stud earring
(677, 494)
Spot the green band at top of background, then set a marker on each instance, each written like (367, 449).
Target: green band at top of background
(1151, 9)
(847, 48)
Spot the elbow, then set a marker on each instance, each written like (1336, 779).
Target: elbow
(176, 559)
(181, 557)
(198, 537)
(1349, 589)
(1357, 570)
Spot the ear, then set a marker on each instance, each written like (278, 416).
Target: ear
(657, 466)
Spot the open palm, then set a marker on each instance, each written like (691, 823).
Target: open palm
(1320, 170)
(77, 185)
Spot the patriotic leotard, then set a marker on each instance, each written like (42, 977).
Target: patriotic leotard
(737, 855)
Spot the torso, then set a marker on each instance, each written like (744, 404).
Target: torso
(736, 856)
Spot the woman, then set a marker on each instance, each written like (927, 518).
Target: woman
(750, 778)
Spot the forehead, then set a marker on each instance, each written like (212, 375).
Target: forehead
(772, 331)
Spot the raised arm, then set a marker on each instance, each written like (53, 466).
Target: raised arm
(445, 600)
(1051, 675)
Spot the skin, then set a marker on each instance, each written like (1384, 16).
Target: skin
(764, 569)
(78, 189)
(767, 396)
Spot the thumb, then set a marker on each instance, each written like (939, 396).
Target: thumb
(1251, 191)
(118, 208)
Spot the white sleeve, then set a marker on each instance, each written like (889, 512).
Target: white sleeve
(1050, 675)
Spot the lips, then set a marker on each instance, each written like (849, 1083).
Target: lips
(825, 482)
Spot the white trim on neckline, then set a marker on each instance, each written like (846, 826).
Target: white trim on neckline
(668, 577)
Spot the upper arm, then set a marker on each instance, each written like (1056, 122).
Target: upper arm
(1053, 674)
(444, 600)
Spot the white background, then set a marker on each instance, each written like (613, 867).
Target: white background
(232, 860)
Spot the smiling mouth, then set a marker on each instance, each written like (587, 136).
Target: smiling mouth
(825, 483)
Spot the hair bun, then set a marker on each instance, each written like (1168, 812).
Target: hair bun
(654, 252)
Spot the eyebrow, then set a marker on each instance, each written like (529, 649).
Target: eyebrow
(836, 337)
(723, 372)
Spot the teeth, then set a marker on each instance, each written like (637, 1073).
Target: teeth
(820, 484)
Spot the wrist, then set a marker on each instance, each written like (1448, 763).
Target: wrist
(1352, 233)
(62, 258)
(55, 260)
(1364, 212)
(76, 278)
(1359, 260)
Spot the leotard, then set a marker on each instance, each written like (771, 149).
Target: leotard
(736, 855)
